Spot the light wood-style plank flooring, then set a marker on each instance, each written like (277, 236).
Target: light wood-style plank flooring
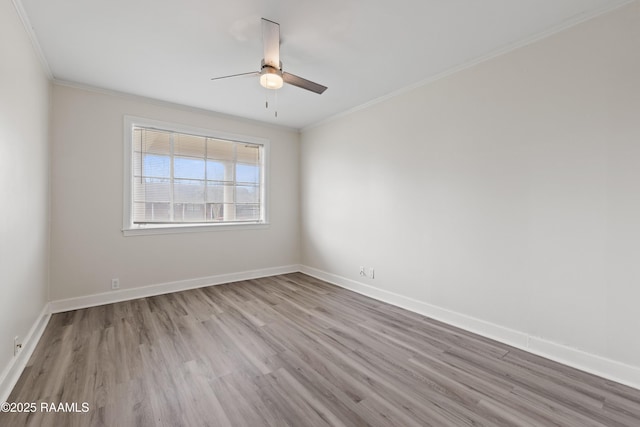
(292, 350)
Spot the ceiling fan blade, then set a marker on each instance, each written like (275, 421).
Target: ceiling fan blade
(271, 43)
(303, 83)
(252, 73)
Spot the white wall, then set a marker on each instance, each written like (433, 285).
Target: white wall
(24, 188)
(87, 245)
(508, 192)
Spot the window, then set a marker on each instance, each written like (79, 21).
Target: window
(179, 178)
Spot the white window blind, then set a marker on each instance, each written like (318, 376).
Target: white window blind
(182, 178)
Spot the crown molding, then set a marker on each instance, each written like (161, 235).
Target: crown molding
(170, 104)
(22, 13)
(572, 22)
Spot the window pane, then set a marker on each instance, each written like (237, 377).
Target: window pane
(219, 193)
(156, 141)
(136, 160)
(155, 165)
(247, 194)
(185, 178)
(215, 170)
(248, 153)
(220, 150)
(215, 212)
(187, 190)
(151, 212)
(189, 145)
(137, 139)
(188, 212)
(184, 167)
(152, 190)
(139, 211)
(247, 212)
(247, 173)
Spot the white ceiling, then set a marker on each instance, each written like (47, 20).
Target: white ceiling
(361, 49)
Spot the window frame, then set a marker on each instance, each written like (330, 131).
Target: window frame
(131, 229)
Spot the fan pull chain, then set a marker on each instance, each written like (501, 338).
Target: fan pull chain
(275, 102)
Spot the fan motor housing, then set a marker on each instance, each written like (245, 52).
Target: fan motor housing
(270, 76)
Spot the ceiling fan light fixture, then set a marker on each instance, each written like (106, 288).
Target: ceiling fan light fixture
(271, 75)
(271, 78)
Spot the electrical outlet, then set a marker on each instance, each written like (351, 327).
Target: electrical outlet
(17, 345)
(372, 273)
(362, 272)
(115, 283)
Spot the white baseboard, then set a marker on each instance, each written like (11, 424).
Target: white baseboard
(12, 372)
(59, 306)
(597, 365)
(576, 358)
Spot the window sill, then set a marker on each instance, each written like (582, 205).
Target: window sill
(191, 228)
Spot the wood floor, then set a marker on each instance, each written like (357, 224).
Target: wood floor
(294, 351)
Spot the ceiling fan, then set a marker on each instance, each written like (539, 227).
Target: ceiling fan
(271, 74)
